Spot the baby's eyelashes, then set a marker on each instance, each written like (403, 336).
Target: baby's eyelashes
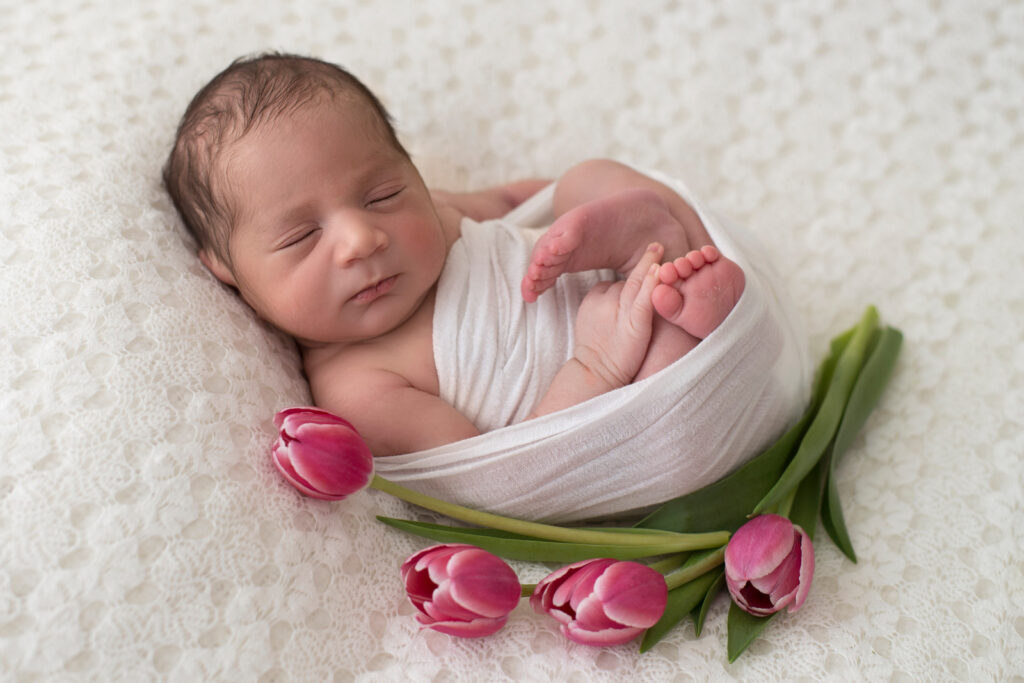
(299, 238)
(389, 195)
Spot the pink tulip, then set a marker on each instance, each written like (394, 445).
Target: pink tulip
(321, 454)
(769, 563)
(460, 589)
(602, 602)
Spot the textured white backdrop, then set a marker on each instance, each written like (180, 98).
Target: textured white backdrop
(875, 147)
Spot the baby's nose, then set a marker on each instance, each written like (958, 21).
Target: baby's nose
(359, 240)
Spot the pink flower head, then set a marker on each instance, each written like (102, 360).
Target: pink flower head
(321, 454)
(769, 563)
(602, 602)
(460, 589)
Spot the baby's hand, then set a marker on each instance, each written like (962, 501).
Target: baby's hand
(613, 326)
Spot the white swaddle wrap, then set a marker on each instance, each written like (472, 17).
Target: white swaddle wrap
(623, 451)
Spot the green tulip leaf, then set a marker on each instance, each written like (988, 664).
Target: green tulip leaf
(870, 385)
(517, 547)
(808, 499)
(701, 614)
(832, 520)
(865, 396)
(823, 428)
(681, 601)
(743, 629)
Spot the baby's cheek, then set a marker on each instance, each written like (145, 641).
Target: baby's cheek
(429, 247)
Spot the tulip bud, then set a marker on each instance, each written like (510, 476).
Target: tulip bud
(460, 589)
(769, 563)
(602, 601)
(321, 454)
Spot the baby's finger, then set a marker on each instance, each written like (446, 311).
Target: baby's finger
(640, 271)
(650, 281)
(642, 310)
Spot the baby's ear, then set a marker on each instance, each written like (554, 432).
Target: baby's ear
(217, 267)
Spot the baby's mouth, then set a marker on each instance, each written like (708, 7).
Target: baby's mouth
(381, 288)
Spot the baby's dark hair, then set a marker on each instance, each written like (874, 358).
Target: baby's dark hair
(250, 92)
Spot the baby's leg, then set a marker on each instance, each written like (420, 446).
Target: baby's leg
(606, 214)
(611, 232)
(698, 291)
(668, 344)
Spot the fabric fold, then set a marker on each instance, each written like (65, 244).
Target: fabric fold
(623, 452)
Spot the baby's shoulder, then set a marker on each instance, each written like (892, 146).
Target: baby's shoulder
(358, 374)
(365, 384)
(449, 213)
(357, 369)
(343, 382)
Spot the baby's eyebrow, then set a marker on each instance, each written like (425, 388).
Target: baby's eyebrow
(294, 214)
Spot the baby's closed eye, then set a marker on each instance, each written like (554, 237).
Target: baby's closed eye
(386, 196)
(299, 237)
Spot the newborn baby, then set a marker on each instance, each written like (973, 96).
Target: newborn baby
(289, 174)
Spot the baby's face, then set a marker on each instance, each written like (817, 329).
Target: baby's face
(337, 239)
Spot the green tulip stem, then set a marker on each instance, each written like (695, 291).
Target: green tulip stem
(669, 563)
(526, 589)
(691, 571)
(667, 541)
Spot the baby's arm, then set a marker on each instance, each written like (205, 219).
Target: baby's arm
(493, 202)
(613, 332)
(392, 415)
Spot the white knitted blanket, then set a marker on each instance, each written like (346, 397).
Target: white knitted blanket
(874, 148)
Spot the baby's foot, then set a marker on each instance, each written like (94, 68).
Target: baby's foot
(550, 257)
(698, 291)
(612, 232)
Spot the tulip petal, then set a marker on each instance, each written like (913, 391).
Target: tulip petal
(411, 562)
(758, 547)
(788, 581)
(783, 580)
(435, 559)
(603, 638)
(754, 601)
(419, 587)
(340, 471)
(460, 589)
(632, 594)
(562, 582)
(290, 418)
(284, 465)
(321, 454)
(326, 436)
(477, 628)
(543, 592)
(483, 583)
(443, 607)
(580, 584)
(806, 569)
(589, 598)
(591, 616)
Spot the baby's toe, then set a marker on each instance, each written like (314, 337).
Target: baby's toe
(684, 266)
(710, 253)
(695, 259)
(667, 273)
(668, 302)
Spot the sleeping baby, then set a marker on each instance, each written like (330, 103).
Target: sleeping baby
(289, 174)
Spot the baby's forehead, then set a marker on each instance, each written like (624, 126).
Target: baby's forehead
(347, 105)
(252, 154)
